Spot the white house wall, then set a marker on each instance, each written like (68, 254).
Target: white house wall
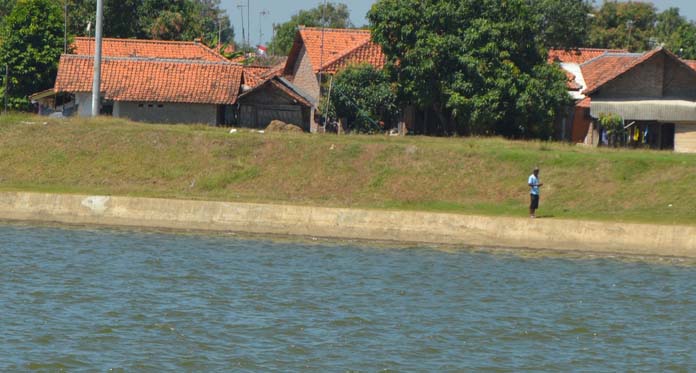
(84, 103)
(685, 138)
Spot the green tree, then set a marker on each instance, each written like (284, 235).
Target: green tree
(676, 33)
(155, 19)
(31, 44)
(475, 64)
(364, 96)
(563, 23)
(335, 15)
(6, 7)
(622, 25)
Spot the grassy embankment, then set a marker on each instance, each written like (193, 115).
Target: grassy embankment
(461, 175)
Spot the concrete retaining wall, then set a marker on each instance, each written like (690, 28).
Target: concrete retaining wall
(416, 227)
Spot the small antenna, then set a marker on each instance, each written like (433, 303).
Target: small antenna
(262, 14)
(241, 12)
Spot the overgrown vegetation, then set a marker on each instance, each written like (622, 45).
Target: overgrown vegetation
(460, 175)
(365, 97)
(31, 41)
(333, 15)
(478, 65)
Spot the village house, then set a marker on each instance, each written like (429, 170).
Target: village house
(654, 93)
(147, 80)
(173, 82)
(323, 52)
(275, 99)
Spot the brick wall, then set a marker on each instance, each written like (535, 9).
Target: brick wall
(643, 81)
(305, 78)
(680, 80)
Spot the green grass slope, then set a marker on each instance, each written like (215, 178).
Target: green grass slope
(460, 175)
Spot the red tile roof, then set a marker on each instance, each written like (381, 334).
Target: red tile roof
(332, 49)
(579, 55)
(148, 48)
(253, 75)
(153, 80)
(571, 84)
(369, 52)
(606, 68)
(280, 85)
(584, 103)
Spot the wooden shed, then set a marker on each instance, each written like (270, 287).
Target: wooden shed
(275, 99)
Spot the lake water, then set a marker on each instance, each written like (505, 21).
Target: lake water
(101, 299)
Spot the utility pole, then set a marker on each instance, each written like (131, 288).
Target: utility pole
(321, 53)
(65, 29)
(262, 14)
(7, 77)
(249, 22)
(321, 63)
(96, 82)
(241, 12)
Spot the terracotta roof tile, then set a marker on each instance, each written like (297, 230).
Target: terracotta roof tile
(153, 80)
(691, 63)
(253, 75)
(369, 52)
(340, 48)
(570, 82)
(584, 103)
(148, 48)
(579, 55)
(608, 67)
(278, 83)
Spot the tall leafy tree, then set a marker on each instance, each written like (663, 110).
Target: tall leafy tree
(475, 64)
(6, 7)
(676, 33)
(334, 15)
(155, 19)
(563, 23)
(31, 44)
(624, 25)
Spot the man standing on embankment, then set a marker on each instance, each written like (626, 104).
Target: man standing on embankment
(534, 192)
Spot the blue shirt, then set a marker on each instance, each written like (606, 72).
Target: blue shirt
(534, 183)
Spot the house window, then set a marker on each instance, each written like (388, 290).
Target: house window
(140, 105)
(149, 105)
(160, 105)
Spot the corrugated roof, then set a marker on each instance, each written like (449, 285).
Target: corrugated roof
(648, 109)
(153, 80)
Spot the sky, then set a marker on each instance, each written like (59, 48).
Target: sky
(280, 11)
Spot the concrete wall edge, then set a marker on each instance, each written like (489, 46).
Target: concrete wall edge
(343, 223)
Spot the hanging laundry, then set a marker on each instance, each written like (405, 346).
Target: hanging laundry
(636, 134)
(645, 135)
(604, 138)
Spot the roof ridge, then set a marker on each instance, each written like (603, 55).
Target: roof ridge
(588, 49)
(330, 29)
(152, 59)
(150, 41)
(194, 43)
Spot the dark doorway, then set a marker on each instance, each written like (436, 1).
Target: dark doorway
(667, 136)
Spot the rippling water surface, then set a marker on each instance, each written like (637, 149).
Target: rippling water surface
(83, 299)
